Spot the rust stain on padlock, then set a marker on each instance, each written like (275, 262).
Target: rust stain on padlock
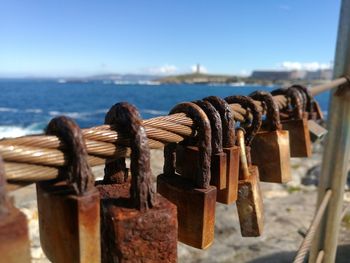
(229, 194)
(197, 217)
(275, 166)
(297, 125)
(69, 207)
(137, 224)
(249, 201)
(14, 240)
(187, 156)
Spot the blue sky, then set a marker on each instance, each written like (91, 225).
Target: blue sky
(76, 37)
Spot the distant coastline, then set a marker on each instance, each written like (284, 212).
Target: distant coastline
(200, 78)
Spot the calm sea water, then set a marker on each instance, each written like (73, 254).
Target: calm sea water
(26, 106)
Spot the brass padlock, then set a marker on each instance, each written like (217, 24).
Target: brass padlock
(69, 211)
(249, 202)
(195, 200)
(229, 194)
(270, 149)
(14, 240)
(138, 225)
(186, 156)
(297, 125)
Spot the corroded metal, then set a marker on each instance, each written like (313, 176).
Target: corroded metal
(137, 224)
(249, 201)
(275, 166)
(196, 217)
(14, 240)
(69, 207)
(186, 156)
(248, 103)
(296, 123)
(229, 194)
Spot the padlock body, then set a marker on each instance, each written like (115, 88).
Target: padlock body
(14, 240)
(229, 194)
(250, 205)
(195, 209)
(317, 132)
(187, 165)
(129, 235)
(299, 137)
(270, 151)
(69, 225)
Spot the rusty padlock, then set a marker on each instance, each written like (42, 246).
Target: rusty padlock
(270, 149)
(195, 200)
(14, 240)
(297, 124)
(249, 202)
(138, 225)
(69, 207)
(313, 114)
(229, 194)
(187, 156)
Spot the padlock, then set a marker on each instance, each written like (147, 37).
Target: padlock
(297, 125)
(69, 211)
(186, 156)
(138, 225)
(270, 149)
(249, 202)
(229, 194)
(195, 200)
(313, 114)
(14, 240)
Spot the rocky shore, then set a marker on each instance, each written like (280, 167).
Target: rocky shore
(289, 210)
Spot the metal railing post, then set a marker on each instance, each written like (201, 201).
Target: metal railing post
(337, 148)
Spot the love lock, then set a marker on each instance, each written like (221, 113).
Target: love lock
(249, 201)
(270, 149)
(297, 125)
(195, 199)
(187, 156)
(69, 211)
(228, 195)
(138, 225)
(313, 113)
(14, 241)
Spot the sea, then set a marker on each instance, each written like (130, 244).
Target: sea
(27, 105)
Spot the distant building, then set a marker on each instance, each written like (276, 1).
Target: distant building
(271, 75)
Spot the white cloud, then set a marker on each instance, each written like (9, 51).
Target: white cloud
(311, 66)
(165, 69)
(244, 73)
(202, 69)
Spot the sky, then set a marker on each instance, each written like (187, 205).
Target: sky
(86, 37)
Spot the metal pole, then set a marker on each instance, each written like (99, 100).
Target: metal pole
(337, 148)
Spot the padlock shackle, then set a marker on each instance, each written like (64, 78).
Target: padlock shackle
(227, 120)
(295, 101)
(242, 153)
(248, 103)
(307, 95)
(272, 111)
(127, 121)
(77, 173)
(215, 125)
(202, 125)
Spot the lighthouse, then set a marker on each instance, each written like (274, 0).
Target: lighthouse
(198, 68)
